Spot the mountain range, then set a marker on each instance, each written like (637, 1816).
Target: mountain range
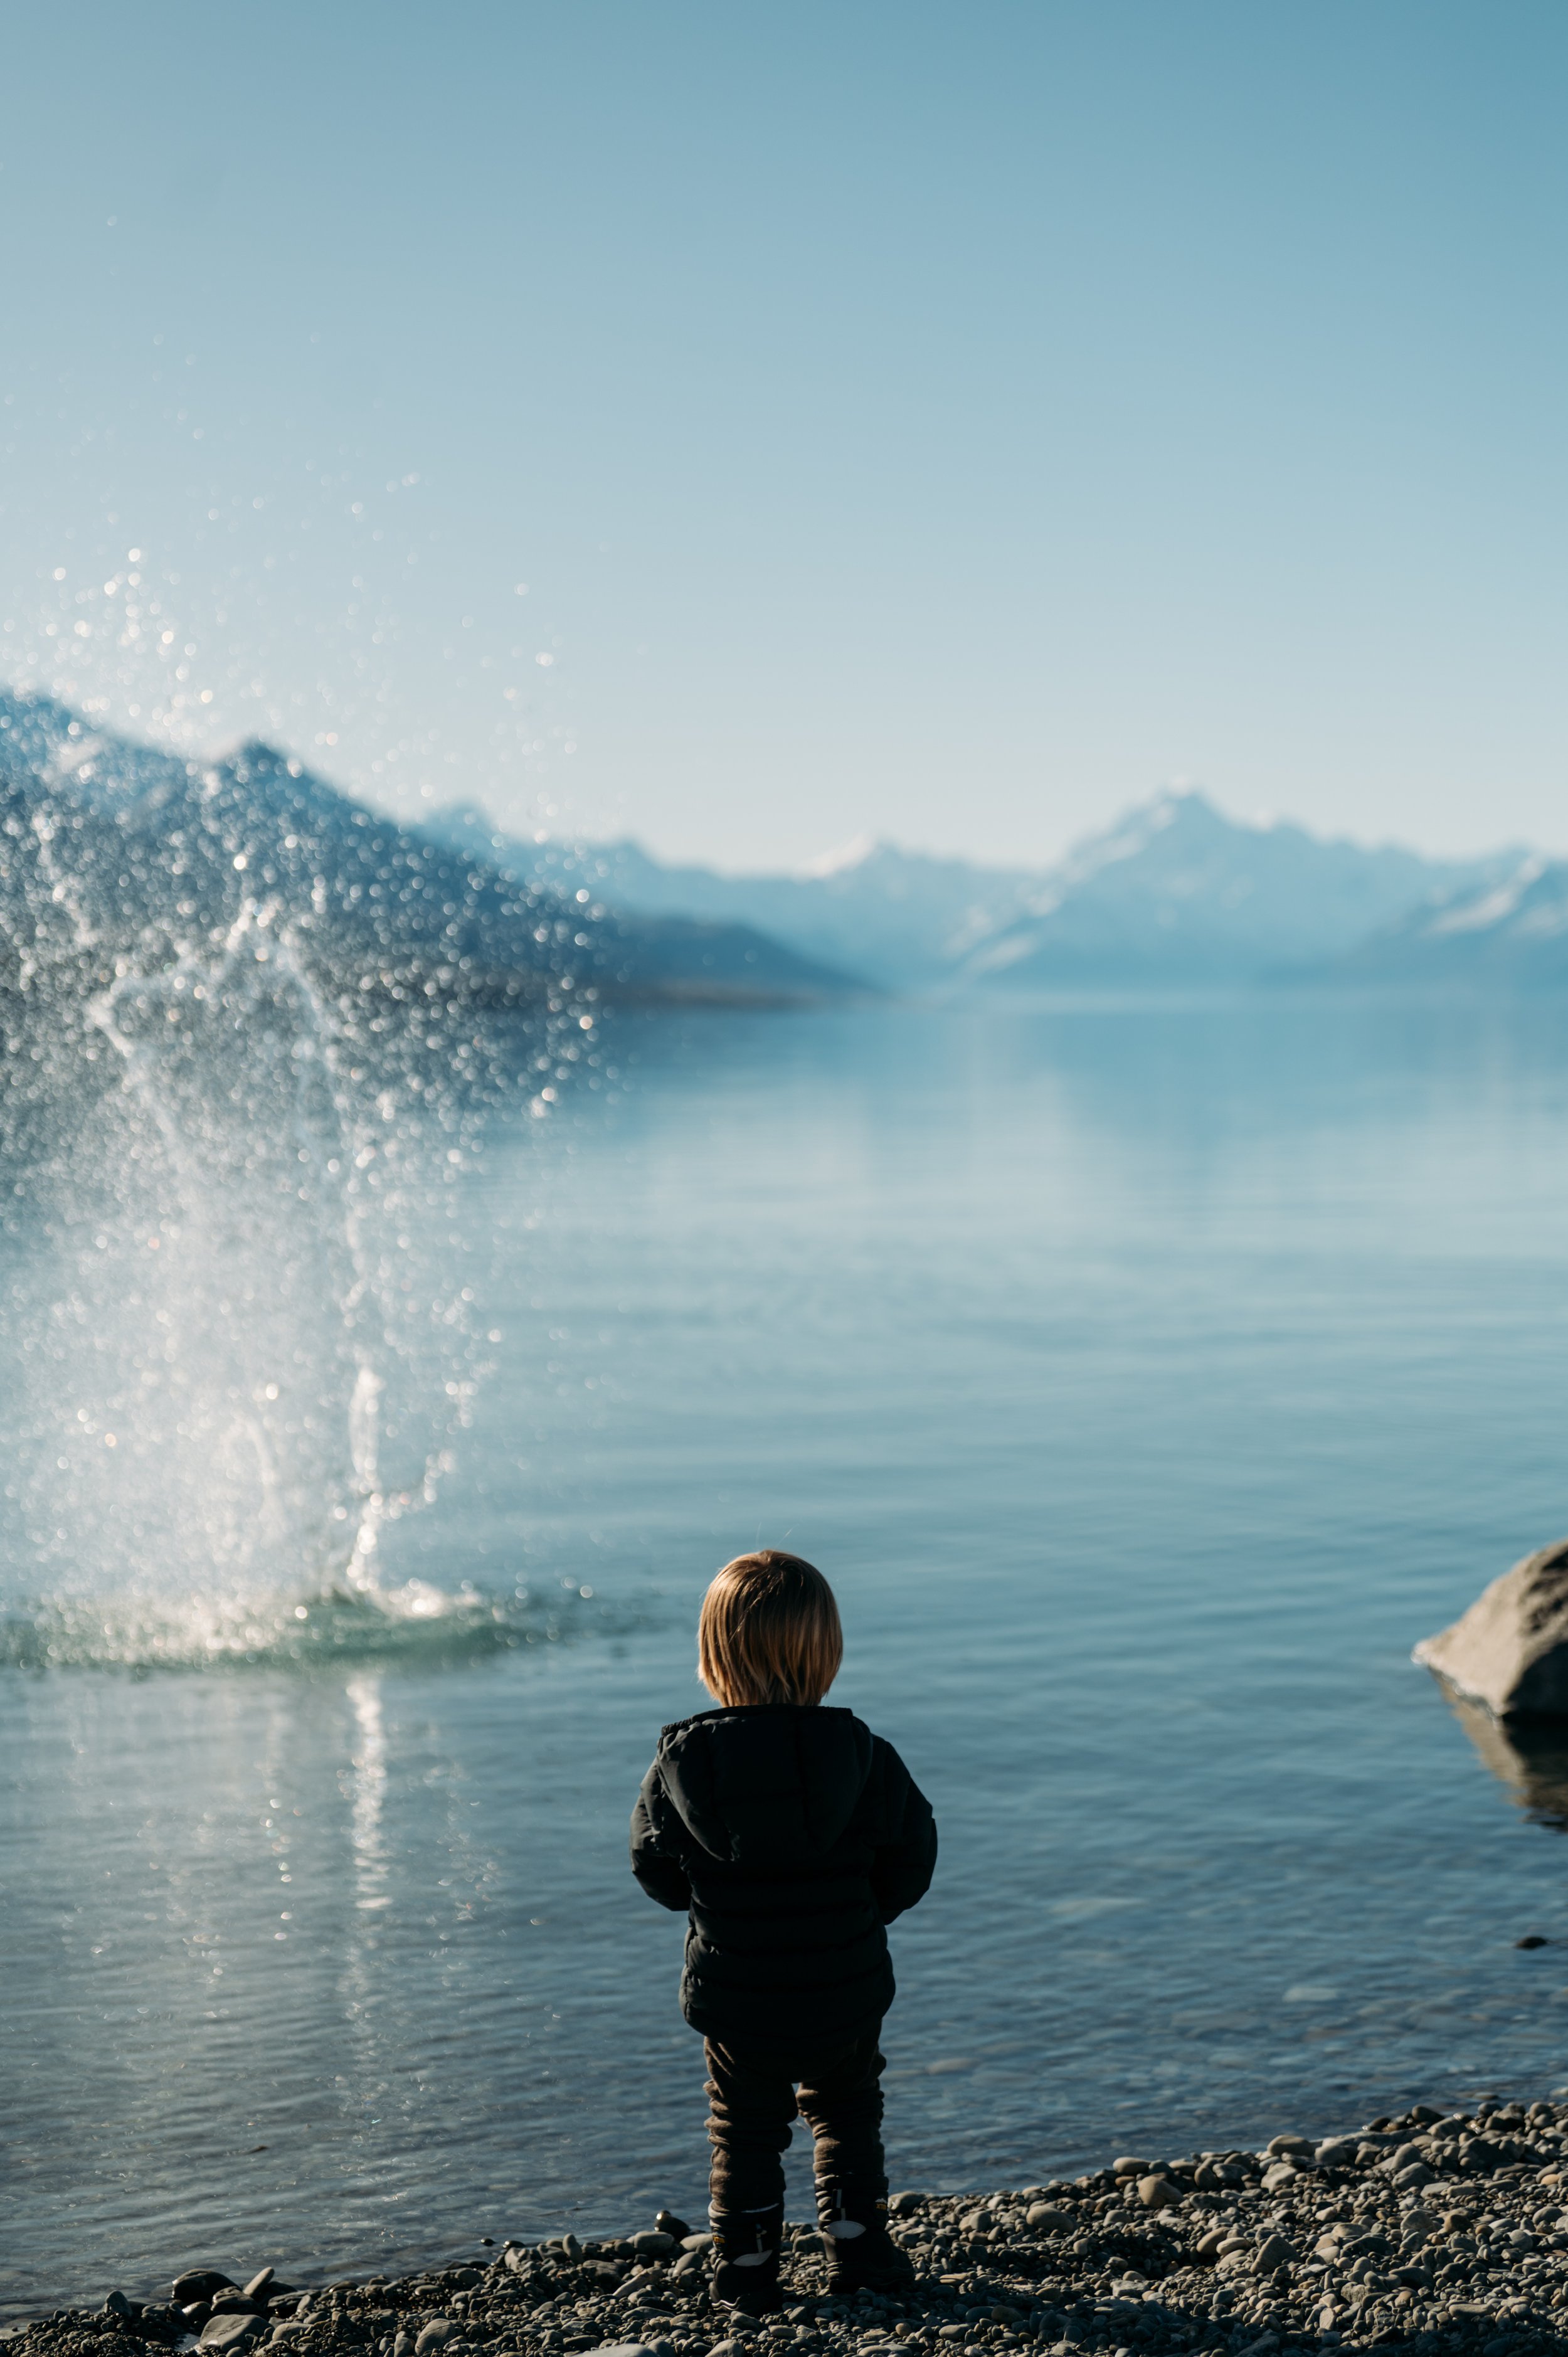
(114, 854)
(1509, 932)
(1175, 895)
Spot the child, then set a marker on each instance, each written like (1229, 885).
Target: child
(794, 1836)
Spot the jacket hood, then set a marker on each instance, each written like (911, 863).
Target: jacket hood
(777, 1784)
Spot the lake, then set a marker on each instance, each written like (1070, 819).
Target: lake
(1147, 1379)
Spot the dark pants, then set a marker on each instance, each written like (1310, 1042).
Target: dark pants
(752, 2100)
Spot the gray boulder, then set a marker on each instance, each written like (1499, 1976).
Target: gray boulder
(1511, 1649)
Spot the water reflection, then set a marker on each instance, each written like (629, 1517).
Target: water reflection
(1531, 1761)
(370, 1791)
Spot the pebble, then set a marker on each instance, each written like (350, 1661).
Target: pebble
(1305, 2248)
(231, 2330)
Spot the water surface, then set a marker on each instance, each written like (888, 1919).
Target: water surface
(1146, 1379)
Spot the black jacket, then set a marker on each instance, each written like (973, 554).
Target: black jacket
(794, 1835)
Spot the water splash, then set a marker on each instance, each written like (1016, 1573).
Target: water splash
(258, 1359)
(249, 1035)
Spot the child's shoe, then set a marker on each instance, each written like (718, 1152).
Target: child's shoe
(863, 2256)
(745, 2249)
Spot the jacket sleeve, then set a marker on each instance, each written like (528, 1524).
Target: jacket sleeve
(904, 1864)
(662, 1875)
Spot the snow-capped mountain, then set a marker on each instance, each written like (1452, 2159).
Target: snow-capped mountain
(1508, 930)
(1176, 892)
(901, 918)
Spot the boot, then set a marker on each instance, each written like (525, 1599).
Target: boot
(745, 2251)
(862, 2256)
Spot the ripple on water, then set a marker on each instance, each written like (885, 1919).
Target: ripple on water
(417, 1623)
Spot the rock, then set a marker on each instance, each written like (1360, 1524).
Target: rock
(1283, 2172)
(697, 2242)
(668, 2223)
(652, 2244)
(1415, 2173)
(118, 2304)
(647, 2289)
(1125, 2168)
(1157, 2193)
(1284, 2144)
(1338, 2152)
(200, 2283)
(1046, 2219)
(435, 2335)
(236, 2303)
(1275, 2254)
(259, 2284)
(640, 2349)
(1532, 1939)
(232, 2331)
(1510, 1651)
(903, 2205)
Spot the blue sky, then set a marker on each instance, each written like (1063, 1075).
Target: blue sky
(949, 423)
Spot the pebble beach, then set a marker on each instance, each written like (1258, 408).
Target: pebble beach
(1422, 2231)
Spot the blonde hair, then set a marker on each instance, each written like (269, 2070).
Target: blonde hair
(769, 1631)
